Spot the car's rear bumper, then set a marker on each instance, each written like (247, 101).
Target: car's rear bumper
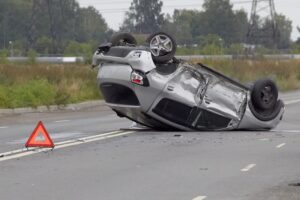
(251, 121)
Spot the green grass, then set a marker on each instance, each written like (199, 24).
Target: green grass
(286, 73)
(26, 85)
(32, 85)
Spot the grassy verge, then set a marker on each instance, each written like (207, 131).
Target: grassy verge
(286, 73)
(31, 85)
(23, 85)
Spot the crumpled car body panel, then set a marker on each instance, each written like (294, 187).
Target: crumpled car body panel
(187, 97)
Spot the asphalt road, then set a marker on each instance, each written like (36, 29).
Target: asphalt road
(149, 165)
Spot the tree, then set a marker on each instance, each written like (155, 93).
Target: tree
(219, 18)
(298, 40)
(282, 37)
(211, 44)
(210, 39)
(62, 16)
(183, 25)
(144, 16)
(43, 45)
(90, 25)
(241, 26)
(14, 18)
(48, 26)
(285, 29)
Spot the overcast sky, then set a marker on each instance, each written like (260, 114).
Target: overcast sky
(113, 10)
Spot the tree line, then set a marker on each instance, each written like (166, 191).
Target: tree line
(216, 23)
(49, 26)
(63, 27)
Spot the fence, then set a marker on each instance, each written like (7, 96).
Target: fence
(186, 57)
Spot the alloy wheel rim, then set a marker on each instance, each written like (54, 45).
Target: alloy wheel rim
(160, 44)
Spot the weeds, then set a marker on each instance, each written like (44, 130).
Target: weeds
(43, 84)
(3, 56)
(24, 85)
(286, 73)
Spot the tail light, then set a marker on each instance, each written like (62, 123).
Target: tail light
(139, 78)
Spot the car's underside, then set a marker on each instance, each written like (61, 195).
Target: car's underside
(178, 95)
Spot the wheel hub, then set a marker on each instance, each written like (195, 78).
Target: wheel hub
(267, 95)
(160, 44)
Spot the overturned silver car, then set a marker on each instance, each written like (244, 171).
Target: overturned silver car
(146, 84)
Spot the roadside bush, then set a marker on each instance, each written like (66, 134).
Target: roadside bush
(24, 85)
(43, 45)
(286, 73)
(235, 49)
(296, 49)
(211, 49)
(4, 101)
(31, 54)
(3, 56)
(80, 49)
(141, 38)
(33, 93)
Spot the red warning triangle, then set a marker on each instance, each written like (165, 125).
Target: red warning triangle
(40, 138)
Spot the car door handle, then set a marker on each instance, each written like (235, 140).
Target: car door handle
(170, 88)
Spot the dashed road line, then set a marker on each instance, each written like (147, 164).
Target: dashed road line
(248, 167)
(26, 152)
(264, 139)
(280, 145)
(292, 102)
(61, 121)
(200, 198)
(286, 131)
(3, 127)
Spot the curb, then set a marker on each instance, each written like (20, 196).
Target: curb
(52, 108)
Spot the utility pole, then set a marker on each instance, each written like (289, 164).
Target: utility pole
(11, 47)
(262, 25)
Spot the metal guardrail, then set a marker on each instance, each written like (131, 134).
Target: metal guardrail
(48, 59)
(231, 57)
(185, 57)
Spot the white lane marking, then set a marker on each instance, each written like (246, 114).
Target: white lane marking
(286, 131)
(12, 152)
(264, 139)
(3, 127)
(90, 139)
(292, 102)
(248, 167)
(26, 152)
(199, 198)
(280, 145)
(61, 121)
(62, 135)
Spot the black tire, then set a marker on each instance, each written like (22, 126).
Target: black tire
(250, 85)
(264, 94)
(163, 55)
(123, 39)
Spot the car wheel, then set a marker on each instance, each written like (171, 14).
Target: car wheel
(250, 85)
(123, 39)
(264, 94)
(162, 46)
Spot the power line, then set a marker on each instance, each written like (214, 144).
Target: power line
(123, 10)
(118, 1)
(117, 10)
(113, 3)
